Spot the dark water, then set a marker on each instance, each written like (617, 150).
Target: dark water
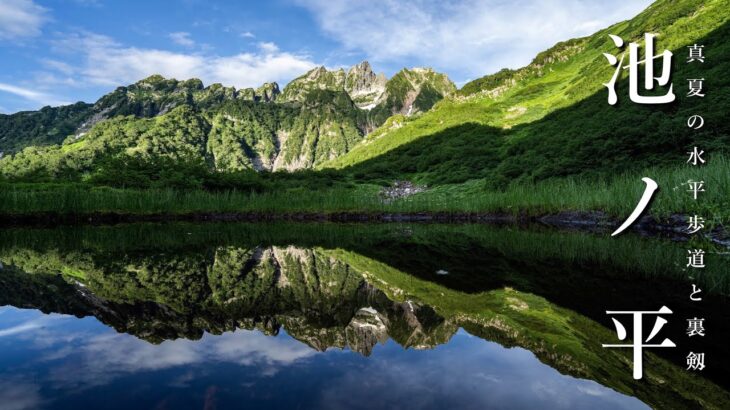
(349, 316)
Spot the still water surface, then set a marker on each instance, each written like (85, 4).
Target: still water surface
(345, 316)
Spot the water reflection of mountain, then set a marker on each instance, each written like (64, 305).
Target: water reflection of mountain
(319, 300)
(158, 289)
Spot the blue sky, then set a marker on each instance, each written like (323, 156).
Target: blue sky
(60, 51)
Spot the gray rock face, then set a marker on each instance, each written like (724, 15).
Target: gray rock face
(408, 92)
(365, 87)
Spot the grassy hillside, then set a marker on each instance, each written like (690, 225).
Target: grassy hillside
(233, 136)
(552, 119)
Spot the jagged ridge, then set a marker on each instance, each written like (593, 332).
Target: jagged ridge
(318, 117)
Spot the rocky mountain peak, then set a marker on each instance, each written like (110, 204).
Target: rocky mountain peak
(361, 68)
(365, 87)
(267, 92)
(151, 80)
(368, 90)
(316, 73)
(316, 79)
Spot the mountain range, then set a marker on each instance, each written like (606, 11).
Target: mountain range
(545, 120)
(316, 117)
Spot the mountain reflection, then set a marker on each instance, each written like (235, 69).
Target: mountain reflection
(343, 291)
(320, 301)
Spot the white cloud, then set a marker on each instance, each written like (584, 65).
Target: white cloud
(22, 328)
(20, 18)
(247, 34)
(19, 395)
(81, 358)
(99, 359)
(32, 95)
(64, 68)
(465, 38)
(107, 62)
(182, 38)
(268, 47)
(248, 347)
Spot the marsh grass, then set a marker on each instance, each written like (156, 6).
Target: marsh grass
(616, 196)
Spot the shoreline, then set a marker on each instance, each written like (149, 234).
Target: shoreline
(596, 222)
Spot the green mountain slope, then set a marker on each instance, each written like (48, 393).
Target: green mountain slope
(147, 98)
(49, 125)
(552, 118)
